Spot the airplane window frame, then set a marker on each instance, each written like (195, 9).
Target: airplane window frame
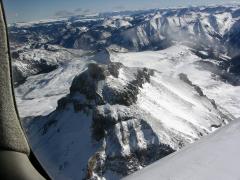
(16, 158)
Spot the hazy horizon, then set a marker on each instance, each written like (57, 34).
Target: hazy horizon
(30, 10)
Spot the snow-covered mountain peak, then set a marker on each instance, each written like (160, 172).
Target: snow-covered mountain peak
(128, 115)
(112, 84)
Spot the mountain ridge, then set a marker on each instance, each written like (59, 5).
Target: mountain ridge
(122, 132)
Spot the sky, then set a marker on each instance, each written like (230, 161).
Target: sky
(30, 10)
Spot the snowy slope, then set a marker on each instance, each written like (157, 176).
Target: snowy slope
(115, 118)
(41, 91)
(116, 22)
(29, 61)
(180, 59)
(212, 157)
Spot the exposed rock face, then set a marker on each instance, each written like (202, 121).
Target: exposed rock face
(134, 131)
(24, 69)
(102, 56)
(110, 131)
(184, 78)
(91, 83)
(28, 62)
(110, 105)
(235, 65)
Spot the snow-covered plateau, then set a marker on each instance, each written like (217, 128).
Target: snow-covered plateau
(104, 96)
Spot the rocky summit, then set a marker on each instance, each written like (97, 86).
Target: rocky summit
(121, 135)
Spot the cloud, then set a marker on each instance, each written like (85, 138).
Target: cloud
(86, 10)
(119, 7)
(79, 10)
(82, 11)
(63, 13)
